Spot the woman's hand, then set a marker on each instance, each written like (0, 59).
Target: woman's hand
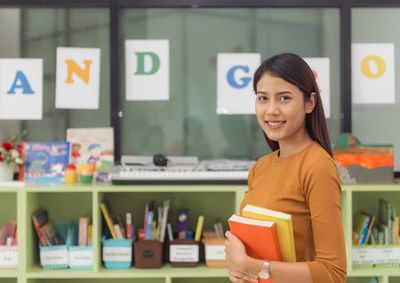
(236, 257)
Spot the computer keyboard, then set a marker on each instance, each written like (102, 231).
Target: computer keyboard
(127, 176)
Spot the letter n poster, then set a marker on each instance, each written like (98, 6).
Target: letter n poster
(78, 78)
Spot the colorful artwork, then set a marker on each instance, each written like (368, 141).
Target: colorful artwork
(93, 146)
(46, 161)
(363, 163)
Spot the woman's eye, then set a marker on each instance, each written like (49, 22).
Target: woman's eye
(284, 98)
(262, 98)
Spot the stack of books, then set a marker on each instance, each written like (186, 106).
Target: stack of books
(266, 234)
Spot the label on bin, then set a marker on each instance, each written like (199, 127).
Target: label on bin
(117, 254)
(54, 257)
(8, 256)
(184, 253)
(215, 252)
(81, 257)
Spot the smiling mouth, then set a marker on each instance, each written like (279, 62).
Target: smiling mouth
(275, 124)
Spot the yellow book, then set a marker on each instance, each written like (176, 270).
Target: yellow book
(199, 228)
(90, 234)
(285, 228)
(109, 222)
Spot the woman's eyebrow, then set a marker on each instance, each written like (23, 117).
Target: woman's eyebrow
(284, 92)
(278, 93)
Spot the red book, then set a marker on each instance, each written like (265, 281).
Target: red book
(258, 236)
(39, 232)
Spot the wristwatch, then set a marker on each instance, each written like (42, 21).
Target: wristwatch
(264, 273)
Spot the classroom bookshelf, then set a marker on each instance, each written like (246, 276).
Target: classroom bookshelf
(213, 201)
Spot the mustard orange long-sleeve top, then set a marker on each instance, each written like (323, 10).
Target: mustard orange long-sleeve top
(306, 185)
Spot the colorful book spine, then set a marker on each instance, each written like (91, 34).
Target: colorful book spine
(108, 220)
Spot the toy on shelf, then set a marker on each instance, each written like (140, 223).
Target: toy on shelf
(358, 163)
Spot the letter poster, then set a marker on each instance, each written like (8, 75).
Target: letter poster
(321, 69)
(78, 78)
(147, 69)
(235, 71)
(372, 73)
(21, 89)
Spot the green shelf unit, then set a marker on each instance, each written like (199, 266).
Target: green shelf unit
(8, 211)
(7, 275)
(366, 198)
(214, 201)
(159, 280)
(68, 203)
(367, 279)
(8, 206)
(200, 280)
(214, 206)
(61, 205)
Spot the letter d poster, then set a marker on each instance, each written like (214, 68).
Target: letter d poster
(147, 69)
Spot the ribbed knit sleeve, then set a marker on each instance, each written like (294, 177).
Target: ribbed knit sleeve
(322, 192)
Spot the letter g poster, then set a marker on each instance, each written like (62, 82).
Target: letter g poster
(235, 94)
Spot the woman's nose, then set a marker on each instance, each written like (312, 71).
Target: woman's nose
(273, 109)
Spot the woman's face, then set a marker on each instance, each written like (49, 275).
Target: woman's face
(281, 109)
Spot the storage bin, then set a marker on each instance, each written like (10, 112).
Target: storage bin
(117, 254)
(184, 253)
(376, 256)
(215, 252)
(148, 254)
(8, 257)
(54, 257)
(80, 257)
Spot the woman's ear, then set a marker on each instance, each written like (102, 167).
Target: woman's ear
(310, 104)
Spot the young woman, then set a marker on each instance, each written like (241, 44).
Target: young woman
(299, 177)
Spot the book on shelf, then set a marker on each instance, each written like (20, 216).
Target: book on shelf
(284, 225)
(47, 234)
(94, 146)
(260, 237)
(45, 162)
(363, 224)
(8, 234)
(83, 231)
(105, 211)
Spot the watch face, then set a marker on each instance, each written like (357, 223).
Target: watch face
(263, 275)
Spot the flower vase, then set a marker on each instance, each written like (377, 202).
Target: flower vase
(6, 172)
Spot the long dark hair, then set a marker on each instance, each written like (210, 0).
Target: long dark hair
(293, 69)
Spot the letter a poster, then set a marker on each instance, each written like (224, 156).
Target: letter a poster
(147, 69)
(21, 89)
(78, 78)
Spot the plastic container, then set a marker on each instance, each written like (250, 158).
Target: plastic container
(117, 254)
